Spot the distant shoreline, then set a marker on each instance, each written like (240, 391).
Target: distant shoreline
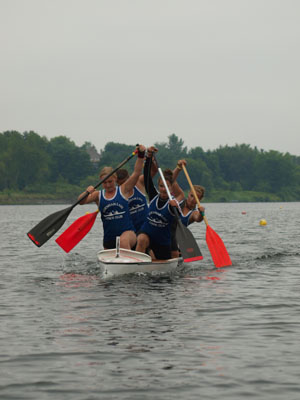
(44, 202)
(23, 198)
(16, 200)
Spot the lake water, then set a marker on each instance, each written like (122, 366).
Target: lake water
(208, 333)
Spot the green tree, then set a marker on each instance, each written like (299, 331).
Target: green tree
(170, 152)
(237, 164)
(31, 163)
(68, 161)
(114, 153)
(275, 172)
(199, 174)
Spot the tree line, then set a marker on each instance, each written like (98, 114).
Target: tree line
(31, 164)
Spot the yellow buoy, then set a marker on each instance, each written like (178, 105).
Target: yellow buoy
(262, 222)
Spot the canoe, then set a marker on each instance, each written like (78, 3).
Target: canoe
(128, 261)
(120, 261)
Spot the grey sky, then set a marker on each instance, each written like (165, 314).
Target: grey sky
(214, 72)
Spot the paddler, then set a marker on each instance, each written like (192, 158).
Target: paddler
(189, 210)
(188, 205)
(155, 233)
(112, 202)
(137, 200)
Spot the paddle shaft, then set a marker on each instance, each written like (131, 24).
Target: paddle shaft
(194, 192)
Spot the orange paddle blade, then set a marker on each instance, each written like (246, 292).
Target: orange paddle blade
(217, 248)
(76, 231)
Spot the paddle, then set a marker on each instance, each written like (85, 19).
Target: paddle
(187, 244)
(76, 231)
(45, 229)
(215, 244)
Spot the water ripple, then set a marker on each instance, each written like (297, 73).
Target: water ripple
(202, 332)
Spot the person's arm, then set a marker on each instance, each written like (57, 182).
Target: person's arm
(173, 204)
(178, 168)
(92, 197)
(196, 215)
(129, 184)
(154, 167)
(140, 183)
(177, 192)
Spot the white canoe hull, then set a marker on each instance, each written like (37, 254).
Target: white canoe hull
(128, 262)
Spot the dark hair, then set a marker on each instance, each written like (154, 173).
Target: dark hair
(122, 174)
(168, 175)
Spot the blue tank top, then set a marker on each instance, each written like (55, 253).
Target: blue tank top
(185, 218)
(158, 223)
(115, 215)
(138, 208)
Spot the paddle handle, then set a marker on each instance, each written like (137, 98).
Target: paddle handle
(194, 192)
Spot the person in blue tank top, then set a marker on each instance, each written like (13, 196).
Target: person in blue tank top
(155, 233)
(138, 203)
(112, 202)
(189, 209)
(137, 200)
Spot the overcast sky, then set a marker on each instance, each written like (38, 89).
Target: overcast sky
(214, 72)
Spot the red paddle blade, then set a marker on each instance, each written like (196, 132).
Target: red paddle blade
(76, 231)
(217, 249)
